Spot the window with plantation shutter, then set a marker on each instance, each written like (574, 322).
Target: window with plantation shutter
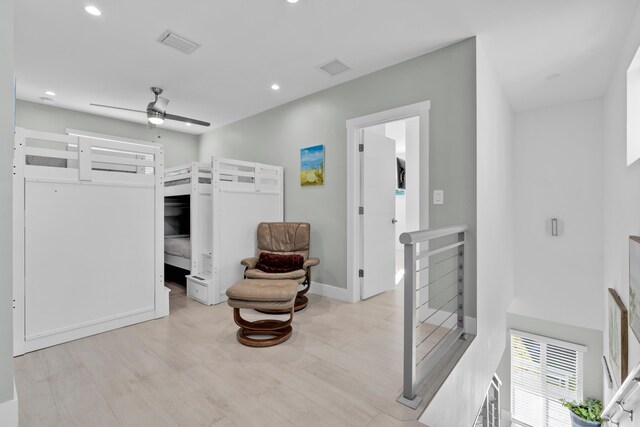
(544, 371)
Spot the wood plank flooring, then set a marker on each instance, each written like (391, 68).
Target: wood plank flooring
(341, 367)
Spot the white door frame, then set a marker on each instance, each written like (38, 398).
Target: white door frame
(421, 110)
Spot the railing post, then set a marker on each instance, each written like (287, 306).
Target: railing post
(414, 373)
(408, 396)
(460, 314)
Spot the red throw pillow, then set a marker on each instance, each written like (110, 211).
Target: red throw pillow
(274, 263)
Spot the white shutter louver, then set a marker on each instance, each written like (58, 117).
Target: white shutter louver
(543, 372)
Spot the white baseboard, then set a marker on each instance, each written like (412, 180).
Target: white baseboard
(505, 418)
(86, 329)
(162, 306)
(329, 291)
(471, 325)
(9, 410)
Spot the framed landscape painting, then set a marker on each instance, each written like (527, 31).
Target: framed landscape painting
(634, 285)
(618, 337)
(312, 165)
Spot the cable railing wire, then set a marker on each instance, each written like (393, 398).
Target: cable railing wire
(435, 330)
(431, 265)
(439, 341)
(435, 280)
(437, 295)
(445, 259)
(435, 312)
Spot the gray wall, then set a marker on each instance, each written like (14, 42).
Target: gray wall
(585, 336)
(445, 77)
(179, 147)
(6, 166)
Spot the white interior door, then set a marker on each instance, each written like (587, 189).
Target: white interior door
(379, 197)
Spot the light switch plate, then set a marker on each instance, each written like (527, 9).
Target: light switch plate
(438, 197)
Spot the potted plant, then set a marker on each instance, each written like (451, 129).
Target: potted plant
(586, 413)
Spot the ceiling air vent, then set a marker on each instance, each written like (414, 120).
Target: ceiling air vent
(334, 67)
(175, 41)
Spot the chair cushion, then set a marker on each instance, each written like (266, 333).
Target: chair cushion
(254, 273)
(263, 290)
(276, 263)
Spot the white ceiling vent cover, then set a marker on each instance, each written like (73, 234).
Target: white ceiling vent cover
(175, 41)
(334, 67)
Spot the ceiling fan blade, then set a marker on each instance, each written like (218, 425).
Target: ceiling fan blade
(186, 120)
(159, 105)
(118, 108)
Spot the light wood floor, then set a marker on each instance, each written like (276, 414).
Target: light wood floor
(342, 366)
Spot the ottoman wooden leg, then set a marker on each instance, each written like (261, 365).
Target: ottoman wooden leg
(278, 330)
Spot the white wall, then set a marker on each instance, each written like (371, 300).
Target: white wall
(6, 173)
(558, 173)
(458, 401)
(633, 109)
(621, 195)
(179, 148)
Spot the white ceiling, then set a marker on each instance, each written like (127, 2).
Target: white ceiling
(249, 44)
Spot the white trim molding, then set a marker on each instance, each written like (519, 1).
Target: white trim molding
(329, 291)
(354, 127)
(106, 137)
(9, 410)
(541, 338)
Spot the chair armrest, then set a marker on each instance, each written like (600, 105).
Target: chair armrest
(249, 262)
(310, 262)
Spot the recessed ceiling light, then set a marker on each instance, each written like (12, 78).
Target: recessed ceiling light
(50, 93)
(92, 10)
(292, 1)
(275, 86)
(187, 124)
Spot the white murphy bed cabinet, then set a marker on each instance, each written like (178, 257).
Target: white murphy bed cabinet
(88, 237)
(228, 198)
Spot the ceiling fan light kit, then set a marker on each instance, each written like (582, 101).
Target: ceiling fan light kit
(157, 111)
(155, 118)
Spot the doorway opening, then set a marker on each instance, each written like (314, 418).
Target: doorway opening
(388, 187)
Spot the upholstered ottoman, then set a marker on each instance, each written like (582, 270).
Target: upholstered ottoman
(262, 294)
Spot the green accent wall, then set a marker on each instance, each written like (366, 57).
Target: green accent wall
(446, 77)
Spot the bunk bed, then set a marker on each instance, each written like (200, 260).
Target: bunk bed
(211, 212)
(244, 195)
(87, 237)
(187, 217)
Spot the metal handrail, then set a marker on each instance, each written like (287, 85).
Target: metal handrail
(617, 402)
(414, 372)
(430, 234)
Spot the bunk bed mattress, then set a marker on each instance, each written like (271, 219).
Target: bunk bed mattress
(178, 246)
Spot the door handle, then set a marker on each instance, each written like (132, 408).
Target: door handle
(393, 220)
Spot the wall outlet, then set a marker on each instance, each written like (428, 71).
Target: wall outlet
(438, 197)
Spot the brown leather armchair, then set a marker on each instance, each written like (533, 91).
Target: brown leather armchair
(284, 238)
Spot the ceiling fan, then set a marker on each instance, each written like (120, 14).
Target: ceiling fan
(156, 111)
